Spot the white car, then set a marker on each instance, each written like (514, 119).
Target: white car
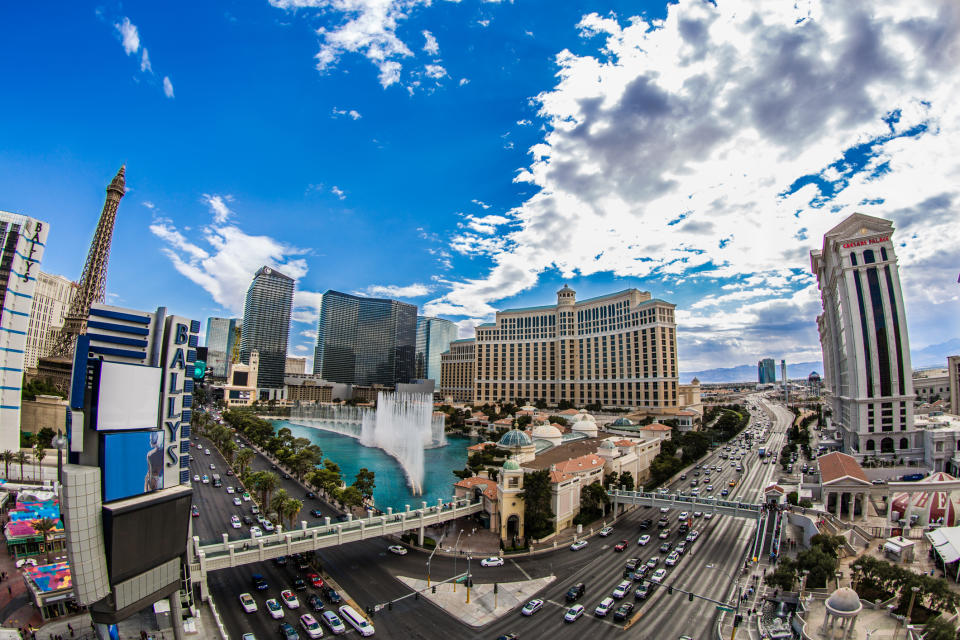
(573, 613)
(491, 562)
(664, 510)
(213, 467)
(333, 622)
(236, 502)
(693, 535)
(206, 451)
(622, 589)
(658, 576)
(665, 534)
(603, 608)
(672, 559)
(684, 515)
(246, 497)
(196, 477)
(268, 526)
(205, 479)
(532, 607)
(248, 603)
(644, 540)
(698, 514)
(605, 531)
(397, 549)
(708, 515)
(255, 531)
(311, 626)
(276, 611)
(235, 522)
(231, 490)
(289, 599)
(579, 544)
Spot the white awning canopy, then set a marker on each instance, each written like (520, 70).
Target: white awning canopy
(946, 542)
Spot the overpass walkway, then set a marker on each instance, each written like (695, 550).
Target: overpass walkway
(204, 558)
(689, 503)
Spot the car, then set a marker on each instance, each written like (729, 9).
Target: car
(315, 603)
(709, 487)
(665, 534)
(665, 547)
(235, 522)
(643, 540)
(206, 451)
(231, 490)
(229, 472)
(508, 636)
(732, 483)
(683, 476)
(290, 599)
(576, 592)
(286, 476)
(663, 522)
(195, 511)
(681, 547)
(213, 467)
(248, 636)
(311, 626)
(192, 459)
(724, 493)
(672, 559)
(684, 515)
(693, 535)
(620, 546)
(653, 561)
(397, 549)
(255, 531)
(532, 607)
(332, 596)
(333, 622)
(205, 479)
(236, 501)
(646, 524)
(579, 544)
(311, 495)
(632, 564)
(196, 477)
(275, 609)
(246, 496)
(658, 576)
(316, 513)
(259, 582)
(642, 591)
(254, 509)
(623, 611)
(247, 520)
(664, 509)
(573, 613)
(622, 589)
(315, 580)
(492, 561)
(603, 608)
(268, 526)
(698, 514)
(248, 603)
(287, 632)
(299, 584)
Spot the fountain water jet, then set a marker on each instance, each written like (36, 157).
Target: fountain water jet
(402, 425)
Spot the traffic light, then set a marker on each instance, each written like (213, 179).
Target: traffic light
(200, 364)
(670, 591)
(434, 589)
(690, 597)
(390, 606)
(495, 587)
(737, 619)
(416, 595)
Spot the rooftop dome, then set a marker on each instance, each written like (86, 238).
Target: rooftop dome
(583, 416)
(622, 422)
(607, 444)
(547, 431)
(844, 600)
(511, 465)
(515, 438)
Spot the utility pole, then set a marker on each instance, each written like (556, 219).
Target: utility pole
(736, 615)
(440, 542)
(455, 553)
(468, 577)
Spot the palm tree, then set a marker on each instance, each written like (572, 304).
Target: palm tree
(39, 453)
(278, 501)
(45, 527)
(228, 448)
(20, 458)
(265, 482)
(7, 457)
(243, 459)
(291, 507)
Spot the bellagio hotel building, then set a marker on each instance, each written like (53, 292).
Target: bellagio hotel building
(619, 350)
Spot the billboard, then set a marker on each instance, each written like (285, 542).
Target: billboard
(132, 463)
(129, 397)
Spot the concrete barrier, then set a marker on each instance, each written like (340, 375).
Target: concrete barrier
(216, 616)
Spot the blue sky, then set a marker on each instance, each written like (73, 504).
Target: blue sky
(471, 156)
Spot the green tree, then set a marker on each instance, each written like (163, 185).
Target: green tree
(627, 481)
(784, 576)
(243, 458)
(264, 482)
(538, 517)
(560, 420)
(364, 482)
(20, 458)
(467, 472)
(228, 449)
(612, 479)
(45, 527)
(277, 501)
(7, 457)
(351, 497)
(939, 628)
(45, 437)
(593, 502)
(793, 498)
(290, 510)
(39, 453)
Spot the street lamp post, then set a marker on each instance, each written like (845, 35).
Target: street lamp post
(60, 443)
(468, 577)
(440, 542)
(456, 546)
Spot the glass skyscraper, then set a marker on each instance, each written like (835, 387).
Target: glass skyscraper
(220, 340)
(767, 371)
(266, 324)
(434, 336)
(365, 340)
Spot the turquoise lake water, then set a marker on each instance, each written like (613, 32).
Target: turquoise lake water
(391, 486)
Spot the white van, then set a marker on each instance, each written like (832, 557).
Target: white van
(357, 621)
(603, 608)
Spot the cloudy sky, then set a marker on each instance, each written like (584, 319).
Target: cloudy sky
(473, 155)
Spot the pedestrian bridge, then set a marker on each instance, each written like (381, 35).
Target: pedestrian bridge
(688, 503)
(234, 553)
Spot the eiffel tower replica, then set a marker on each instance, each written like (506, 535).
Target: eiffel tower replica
(56, 366)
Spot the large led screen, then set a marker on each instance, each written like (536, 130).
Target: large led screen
(129, 397)
(132, 463)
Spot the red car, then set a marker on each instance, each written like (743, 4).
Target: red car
(620, 546)
(315, 580)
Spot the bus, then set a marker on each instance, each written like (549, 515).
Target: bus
(762, 452)
(217, 482)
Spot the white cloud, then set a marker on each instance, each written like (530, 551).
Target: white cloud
(301, 348)
(307, 333)
(145, 66)
(397, 291)
(486, 224)
(480, 203)
(483, 23)
(435, 71)
(464, 81)
(671, 151)
(218, 206)
(148, 204)
(389, 73)
(524, 122)
(351, 113)
(167, 87)
(129, 36)
(430, 46)
(337, 191)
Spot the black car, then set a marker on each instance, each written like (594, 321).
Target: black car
(281, 561)
(632, 563)
(287, 632)
(576, 592)
(332, 596)
(646, 524)
(665, 547)
(286, 476)
(316, 513)
(311, 495)
(299, 584)
(623, 611)
(247, 520)
(642, 591)
(302, 563)
(259, 582)
(315, 602)
(509, 636)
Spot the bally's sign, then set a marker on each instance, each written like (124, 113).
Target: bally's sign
(180, 351)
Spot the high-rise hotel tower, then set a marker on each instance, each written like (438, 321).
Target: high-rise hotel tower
(863, 333)
(616, 350)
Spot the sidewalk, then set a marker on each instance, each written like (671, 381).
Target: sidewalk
(485, 605)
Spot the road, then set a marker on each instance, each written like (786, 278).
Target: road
(367, 572)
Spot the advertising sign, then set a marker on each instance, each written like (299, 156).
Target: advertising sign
(132, 463)
(179, 353)
(128, 397)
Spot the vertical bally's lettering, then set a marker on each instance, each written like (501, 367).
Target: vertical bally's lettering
(176, 368)
(34, 240)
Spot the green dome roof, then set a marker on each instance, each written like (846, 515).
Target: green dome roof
(511, 465)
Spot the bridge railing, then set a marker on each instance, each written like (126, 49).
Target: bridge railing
(409, 519)
(694, 501)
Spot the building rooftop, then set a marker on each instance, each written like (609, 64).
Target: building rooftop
(567, 451)
(655, 426)
(488, 486)
(836, 465)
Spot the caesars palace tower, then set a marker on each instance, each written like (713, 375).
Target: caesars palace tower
(863, 333)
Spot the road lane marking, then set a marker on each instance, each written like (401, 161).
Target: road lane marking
(526, 575)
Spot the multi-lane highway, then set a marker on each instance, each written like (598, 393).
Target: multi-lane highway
(367, 572)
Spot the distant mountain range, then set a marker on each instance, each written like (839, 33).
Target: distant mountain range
(933, 356)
